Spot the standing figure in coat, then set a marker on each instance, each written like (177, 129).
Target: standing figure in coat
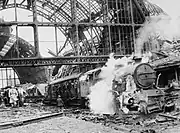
(13, 95)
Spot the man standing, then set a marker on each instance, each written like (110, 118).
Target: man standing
(13, 95)
(21, 96)
(60, 102)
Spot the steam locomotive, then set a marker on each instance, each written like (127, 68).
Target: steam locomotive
(147, 98)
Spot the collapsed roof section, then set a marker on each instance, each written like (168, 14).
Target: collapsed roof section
(8, 50)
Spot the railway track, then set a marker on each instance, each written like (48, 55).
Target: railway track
(123, 123)
(29, 121)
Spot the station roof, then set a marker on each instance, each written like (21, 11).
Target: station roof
(84, 10)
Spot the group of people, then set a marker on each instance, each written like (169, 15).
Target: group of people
(12, 96)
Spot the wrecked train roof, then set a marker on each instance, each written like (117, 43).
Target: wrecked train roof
(73, 76)
(168, 62)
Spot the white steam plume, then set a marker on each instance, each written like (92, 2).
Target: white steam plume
(165, 27)
(101, 97)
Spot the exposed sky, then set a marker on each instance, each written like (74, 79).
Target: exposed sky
(171, 7)
(46, 34)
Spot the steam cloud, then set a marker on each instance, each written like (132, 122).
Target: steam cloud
(101, 97)
(161, 27)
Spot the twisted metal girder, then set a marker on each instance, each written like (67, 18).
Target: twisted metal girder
(27, 50)
(26, 74)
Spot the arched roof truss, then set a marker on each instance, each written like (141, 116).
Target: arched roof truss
(61, 11)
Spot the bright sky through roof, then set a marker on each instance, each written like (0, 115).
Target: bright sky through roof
(46, 34)
(171, 7)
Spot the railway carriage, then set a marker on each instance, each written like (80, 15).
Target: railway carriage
(73, 89)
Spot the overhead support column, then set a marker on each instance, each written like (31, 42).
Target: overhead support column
(17, 41)
(109, 28)
(74, 30)
(133, 28)
(35, 28)
(56, 36)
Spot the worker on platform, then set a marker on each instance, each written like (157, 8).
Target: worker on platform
(21, 96)
(2, 100)
(13, 95)
(60, 102)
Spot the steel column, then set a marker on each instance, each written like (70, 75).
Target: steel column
(74, 30)
(35, 27)
(16, 19)
(133, 26)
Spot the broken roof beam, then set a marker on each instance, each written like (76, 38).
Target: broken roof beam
(139, 6)
(59, 8)
(29, 3)
(22, 2)
(5, 3)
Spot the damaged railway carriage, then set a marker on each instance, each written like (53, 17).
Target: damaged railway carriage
(72, 89)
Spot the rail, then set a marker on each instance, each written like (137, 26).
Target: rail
(29, 121)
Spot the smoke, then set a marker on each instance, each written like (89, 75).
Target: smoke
(101, 97)
(162, 27)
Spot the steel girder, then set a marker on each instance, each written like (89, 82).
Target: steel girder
(65, 60)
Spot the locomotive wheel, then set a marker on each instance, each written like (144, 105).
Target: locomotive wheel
(143, 107)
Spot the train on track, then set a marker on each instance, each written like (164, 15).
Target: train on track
(152, 91)
(73, 89)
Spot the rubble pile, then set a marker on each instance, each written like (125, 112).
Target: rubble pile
(135, 123)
